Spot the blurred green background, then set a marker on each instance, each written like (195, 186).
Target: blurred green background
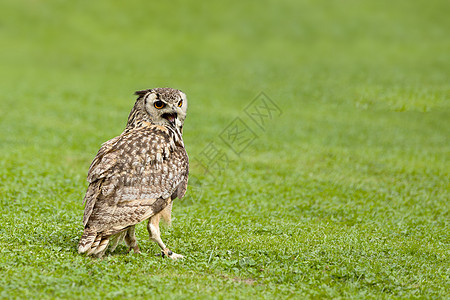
(360, 153)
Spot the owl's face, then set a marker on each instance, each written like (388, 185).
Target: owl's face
(164, 106)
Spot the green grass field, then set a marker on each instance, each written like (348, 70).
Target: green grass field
(342, 193)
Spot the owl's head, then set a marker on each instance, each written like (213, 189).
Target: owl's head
(159, 106)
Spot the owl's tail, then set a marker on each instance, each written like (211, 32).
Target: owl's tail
(92, 243)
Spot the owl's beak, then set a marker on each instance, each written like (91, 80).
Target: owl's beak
(170, 117)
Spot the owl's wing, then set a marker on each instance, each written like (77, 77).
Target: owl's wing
(180, 191)
(132, 177)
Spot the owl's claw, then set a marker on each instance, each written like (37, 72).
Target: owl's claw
(167, 253)
(175, 256)
(135, 249)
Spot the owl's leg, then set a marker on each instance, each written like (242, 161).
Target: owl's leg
(155, 235)
(130, 240)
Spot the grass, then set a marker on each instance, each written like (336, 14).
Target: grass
(344, 194)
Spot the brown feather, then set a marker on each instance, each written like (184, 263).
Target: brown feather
(128, 184)
(133, 177)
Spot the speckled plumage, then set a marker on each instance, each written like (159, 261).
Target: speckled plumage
(138, 174)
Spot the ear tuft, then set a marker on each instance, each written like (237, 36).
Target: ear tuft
(142, 93)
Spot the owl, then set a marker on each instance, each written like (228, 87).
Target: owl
(137, 175)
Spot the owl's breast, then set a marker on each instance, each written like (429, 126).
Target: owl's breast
(154, 169)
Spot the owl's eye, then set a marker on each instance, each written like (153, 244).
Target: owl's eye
(180, 103)
(159, 104)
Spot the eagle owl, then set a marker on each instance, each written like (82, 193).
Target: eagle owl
(136, 175)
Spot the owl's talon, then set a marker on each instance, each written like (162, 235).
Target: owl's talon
(168, 253)
(175, 256)
(135, 250)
